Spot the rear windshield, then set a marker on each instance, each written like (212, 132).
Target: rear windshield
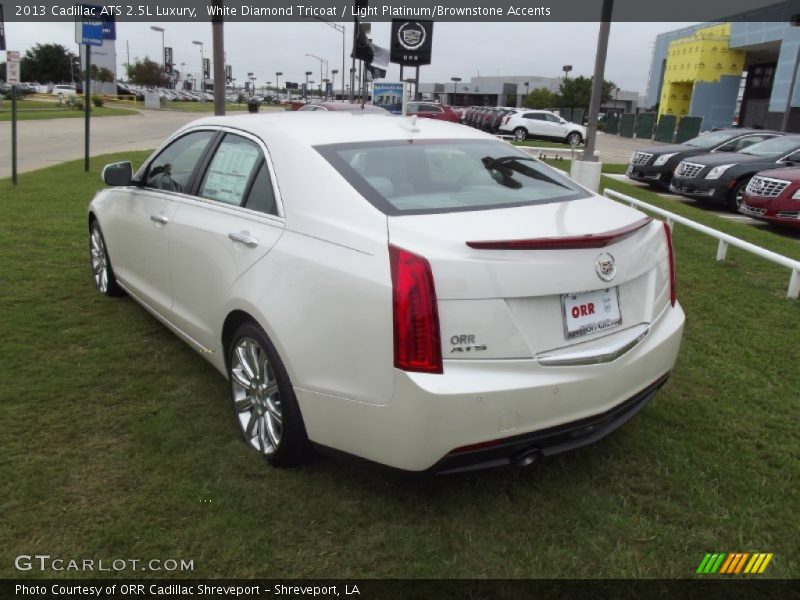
(435, 176)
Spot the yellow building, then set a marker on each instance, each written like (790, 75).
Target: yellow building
(706, 57)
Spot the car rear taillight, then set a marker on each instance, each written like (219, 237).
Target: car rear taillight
(417, 341)
(671, 254)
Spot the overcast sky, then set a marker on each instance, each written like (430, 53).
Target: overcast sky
(459, 49)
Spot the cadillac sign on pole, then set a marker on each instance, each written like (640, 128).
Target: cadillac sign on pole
(411, 42)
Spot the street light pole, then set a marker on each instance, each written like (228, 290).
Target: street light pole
(307, 74)
(163, 51)
(321, 60)
(333, 86)
(455, 81)
(278, 83)
(341, 29)
(202, 57)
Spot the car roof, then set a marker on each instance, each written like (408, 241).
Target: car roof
(347, 106)
(742, 131)
(312, 128)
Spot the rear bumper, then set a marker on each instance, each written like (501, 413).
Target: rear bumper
(551, 441)
(473, 402)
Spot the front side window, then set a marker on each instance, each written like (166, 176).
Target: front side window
(231, 170)
(744, 142)
(172, 169)
(420, 177)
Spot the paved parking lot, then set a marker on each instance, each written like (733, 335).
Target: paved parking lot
(49, 142)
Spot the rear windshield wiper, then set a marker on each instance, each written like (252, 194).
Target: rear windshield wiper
(506, 164)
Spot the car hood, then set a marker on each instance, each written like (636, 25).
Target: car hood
(790, 174)
(667, 149)
(729, 158)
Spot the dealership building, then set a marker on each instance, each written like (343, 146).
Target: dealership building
(734, 71)
(510, 90)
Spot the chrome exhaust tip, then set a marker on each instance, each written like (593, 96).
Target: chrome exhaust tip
(526, 458)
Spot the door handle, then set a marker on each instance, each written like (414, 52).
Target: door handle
(243, 238)
(159, 219)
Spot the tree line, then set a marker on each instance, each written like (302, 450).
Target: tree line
(53, 63)
(572, 93)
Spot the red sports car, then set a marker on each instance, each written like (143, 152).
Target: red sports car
(774, 196)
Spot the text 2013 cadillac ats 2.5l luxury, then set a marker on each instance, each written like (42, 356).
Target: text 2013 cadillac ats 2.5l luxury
(412, 292)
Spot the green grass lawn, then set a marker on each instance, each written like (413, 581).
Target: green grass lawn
(29, 110)
(117, 441)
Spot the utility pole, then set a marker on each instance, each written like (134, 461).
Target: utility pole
(597, 80)
(218, 41)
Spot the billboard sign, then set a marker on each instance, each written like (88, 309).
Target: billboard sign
(388, 96)
(12, 71)
(411, 42)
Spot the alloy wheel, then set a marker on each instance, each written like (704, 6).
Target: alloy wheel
(256, 396)
(97, 249)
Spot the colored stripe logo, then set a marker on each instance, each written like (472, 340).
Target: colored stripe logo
(735, 563)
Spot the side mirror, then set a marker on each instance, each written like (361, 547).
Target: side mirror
(118, 174)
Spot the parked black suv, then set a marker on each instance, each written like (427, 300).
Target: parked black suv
(656, 164)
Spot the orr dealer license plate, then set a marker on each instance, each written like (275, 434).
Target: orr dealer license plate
(589, 312)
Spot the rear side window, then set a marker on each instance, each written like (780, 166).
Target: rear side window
(535, 116)
(172, 169)
(434, 176)
(261, 196)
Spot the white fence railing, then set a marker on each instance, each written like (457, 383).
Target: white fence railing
(725, 240)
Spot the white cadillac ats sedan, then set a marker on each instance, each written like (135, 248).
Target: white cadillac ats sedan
(416, 293)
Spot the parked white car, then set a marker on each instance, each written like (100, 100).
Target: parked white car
(413, 292)
(64, 90)
(542, 124)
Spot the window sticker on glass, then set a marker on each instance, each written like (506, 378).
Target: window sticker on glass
(230, 170)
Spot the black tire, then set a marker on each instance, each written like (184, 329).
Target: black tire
(257, 425)
(734, 199)
(520, 134)
(574, 135)
(102, 272)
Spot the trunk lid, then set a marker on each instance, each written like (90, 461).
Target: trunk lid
(497, 302)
